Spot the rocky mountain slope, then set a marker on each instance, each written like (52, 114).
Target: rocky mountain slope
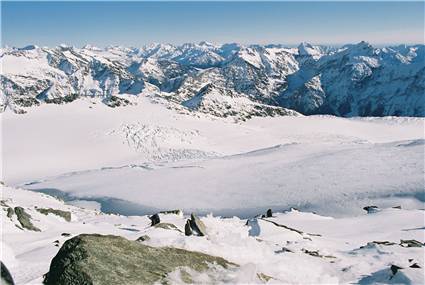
(225, 80)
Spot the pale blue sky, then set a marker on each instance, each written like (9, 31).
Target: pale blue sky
(138, 23)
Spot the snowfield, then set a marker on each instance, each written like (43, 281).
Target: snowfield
(160, 159)
(115, 166)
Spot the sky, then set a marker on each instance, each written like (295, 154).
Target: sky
(138, 23)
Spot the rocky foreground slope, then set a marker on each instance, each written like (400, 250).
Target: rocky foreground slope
(379, 246)
(225, 80)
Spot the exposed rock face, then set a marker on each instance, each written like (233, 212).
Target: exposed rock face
(25, 219)
(226, 81)
(63, 214)
(84, 260)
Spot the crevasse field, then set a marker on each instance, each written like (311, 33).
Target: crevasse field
(147, 158)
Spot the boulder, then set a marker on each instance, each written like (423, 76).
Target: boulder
(188, 229)
(107, 259)
(6, 277)
(197, 225)
(269, 213)
(155, 219)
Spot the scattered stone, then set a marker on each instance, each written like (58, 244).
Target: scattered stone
(115, 101)
(155, 220)
(371, 209)
(384, 242)
(143, 238)
(316, 253)
(283, 250)
(263, 277)
(63, 214)
(65, 234)
(395, 269)
(10, 212)
(6, 277)
(397, 207)
(414, 265)
(269, 213)
(411, 243)
(167, 226)
(84, 260)
(25, 219)
(197, 225)
(188, 229)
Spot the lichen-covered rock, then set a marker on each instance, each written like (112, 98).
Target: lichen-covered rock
(167, 226)
(64, 214)
(25, 219)
(10, 212)
(85, 260)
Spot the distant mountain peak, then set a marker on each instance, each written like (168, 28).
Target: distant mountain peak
(354, 80)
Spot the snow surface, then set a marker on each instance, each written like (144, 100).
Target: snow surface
(145, 157)
(159, 159)
(344, 246)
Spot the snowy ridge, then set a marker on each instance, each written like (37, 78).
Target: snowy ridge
(355, 80)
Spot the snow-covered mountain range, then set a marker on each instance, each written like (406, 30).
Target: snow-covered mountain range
(223, 80)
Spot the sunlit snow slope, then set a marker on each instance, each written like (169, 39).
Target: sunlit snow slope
(160, 159)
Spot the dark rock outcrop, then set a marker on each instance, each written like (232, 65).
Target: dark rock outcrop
(6, 277)
(188, 229)
(155, 220)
